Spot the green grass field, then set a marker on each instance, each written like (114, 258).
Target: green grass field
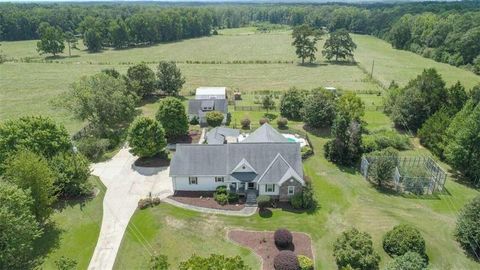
(75, 231)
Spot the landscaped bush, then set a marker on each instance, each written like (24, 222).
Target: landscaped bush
(408, 261)
(297, 201)
(144, 203)
(245, 123)
(308, 199)
(93, 148)
(263, 120)
(305, 262)
(221, 198)
(282, 122)
(232, 197)
(384, 138)
(214, 118)
(468, 224)
(355, 249)
(194, 120)
(264, 201)
(221, 189)
(307, 151)
(286, 260)
(283, 238)
(402, 239)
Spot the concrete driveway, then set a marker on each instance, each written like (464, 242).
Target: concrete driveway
(126, 184)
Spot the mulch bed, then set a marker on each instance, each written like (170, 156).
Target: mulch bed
(192, 137)
(205, 199)
(263, 244)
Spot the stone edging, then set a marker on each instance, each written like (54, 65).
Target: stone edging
(245, 212)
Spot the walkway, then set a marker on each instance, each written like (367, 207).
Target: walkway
(126, 184)
(245, 212)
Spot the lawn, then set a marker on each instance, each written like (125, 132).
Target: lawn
(74, 233)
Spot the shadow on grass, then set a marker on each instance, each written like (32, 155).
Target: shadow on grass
(458, 177)
(72, 202)
(44, 245)
(311, 65)
(59, 57)
(392, 192)
(324, 132)
(287, 207)
(342, 63)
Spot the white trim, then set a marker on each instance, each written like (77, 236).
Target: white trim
(272, 186)
(219, 177)
(288, 191)
(243, 162)
(192, 179)
(291, 173)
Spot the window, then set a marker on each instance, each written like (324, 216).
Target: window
(291, 190)
(220, 179)
(270, 188)
(192, 180)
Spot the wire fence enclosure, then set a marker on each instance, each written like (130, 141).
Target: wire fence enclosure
(419, 175)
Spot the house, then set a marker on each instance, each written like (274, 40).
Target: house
(247, 168)
(200, 107)
(221, 135)
(211, 93)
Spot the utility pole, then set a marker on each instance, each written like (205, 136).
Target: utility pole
(371, 73)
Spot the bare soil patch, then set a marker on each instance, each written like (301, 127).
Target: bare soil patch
(205, 199)
(263, 244)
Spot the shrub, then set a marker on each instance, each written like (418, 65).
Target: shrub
(408, 261)
(144, 203)
(214, 118)
(263, 201)
(468, 224)
(194, 120)
(245, 123)
(305, 262)
(384, 138)
(355, 249)
(156, 201)
(159, 262)
(283, 238)
(221, 198)
(297, 201)
(65, 263)
(93, 148)
(285, 260)
(263, 120)
(232, 197)
(308, 199)
(282, 122)
(221, 189)
(146, 137)
(307, 151)
(383, 164)
(402, 239)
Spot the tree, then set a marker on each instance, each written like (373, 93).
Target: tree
(456, 97)
(118, 34)
(433, 132)
(19, 227)
(355, 249)
(30, 171)
(172, 116)
(214, 261)
(92, 40)
(467, 230)
(268, 103)
(214, 118)
(65, 263)
(51, 39)
(111, 72)
(159, 262)
(382, 165)
(402, 239)
(102, 100)
(339, 45)
(351, 105)
(72, 171)
(141, 80)
(305, 40)
(412, 105)
(346, 146)
(72, 42)
(291, 103)
(408, 261)
(319, 108)
(170, 79)
(35, 133)
(146, 137)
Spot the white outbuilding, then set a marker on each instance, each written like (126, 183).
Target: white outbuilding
(211, 93)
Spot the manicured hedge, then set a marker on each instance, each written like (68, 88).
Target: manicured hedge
(283, 238)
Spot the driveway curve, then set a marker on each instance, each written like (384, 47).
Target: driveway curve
(126, 184)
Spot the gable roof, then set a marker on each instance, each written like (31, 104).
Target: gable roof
(195, 105)
(221, 159)
(209, 90)
(217, 135)
(265, 133)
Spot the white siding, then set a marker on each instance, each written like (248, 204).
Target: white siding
(205, 183)
(261, 190)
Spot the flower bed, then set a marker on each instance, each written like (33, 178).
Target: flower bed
(205, 199)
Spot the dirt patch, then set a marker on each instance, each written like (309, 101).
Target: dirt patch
(263, 245)
(205, 199)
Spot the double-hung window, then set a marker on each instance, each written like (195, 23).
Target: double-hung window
(219, 179)
(270, 188)
(192, 180)
(291, 190)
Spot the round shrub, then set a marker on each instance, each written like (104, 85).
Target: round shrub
(144, 203)
(305, 262)
(232, 197)
(408, 261)
(263, 201)
(221, 189)
(297, 201)
(283, 238)
(285, 260)
(245, 123)
(222, 199)
(282, 122)
(214, 118)
(402, 239)
(263, 121)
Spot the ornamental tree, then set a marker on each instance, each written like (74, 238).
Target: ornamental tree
(146, 137)
(283, 238)
(172, 116)
(355, 249)
(214, 118)
(19, 227)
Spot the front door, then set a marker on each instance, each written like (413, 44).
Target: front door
(251, 186)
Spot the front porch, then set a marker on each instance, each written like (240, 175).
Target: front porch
(248, 190)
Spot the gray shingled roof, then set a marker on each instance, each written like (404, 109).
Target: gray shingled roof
(195, 105)
(221, 159)
(275, 171)
(217, 135)
(265, 133)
